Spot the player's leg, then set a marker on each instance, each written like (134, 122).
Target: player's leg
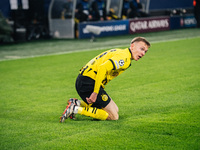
(76, 106)
(83, 104)
(85, 87)
(93, 112)
(104, 108)
(78, 102)
(112, 111)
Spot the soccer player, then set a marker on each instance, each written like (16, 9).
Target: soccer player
(93, 77)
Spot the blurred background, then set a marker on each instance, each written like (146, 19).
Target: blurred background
(27, 20)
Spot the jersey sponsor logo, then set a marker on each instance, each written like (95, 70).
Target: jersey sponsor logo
(104, 97)
(121, 62)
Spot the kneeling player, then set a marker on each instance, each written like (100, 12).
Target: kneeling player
(93, 77)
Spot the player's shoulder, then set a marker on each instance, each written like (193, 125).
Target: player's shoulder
(116, 54)
(121, 58)
(122, 52)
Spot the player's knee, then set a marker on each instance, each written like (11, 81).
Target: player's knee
(113, 116)
(117, 109)
(116, 117)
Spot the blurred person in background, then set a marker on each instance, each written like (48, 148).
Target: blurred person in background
(126, 9)
(93, 77)
(67, 10)
(132, 9)
(98, 10)
(6, 30)
(82, 12)
(136, 8)
(196, 4)
(112, 15)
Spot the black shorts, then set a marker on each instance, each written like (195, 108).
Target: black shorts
(85, 87)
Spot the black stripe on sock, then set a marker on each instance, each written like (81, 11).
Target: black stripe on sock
(95, 111)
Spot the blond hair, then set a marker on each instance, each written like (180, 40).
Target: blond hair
(139, 39)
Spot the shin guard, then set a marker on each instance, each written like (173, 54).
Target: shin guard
(93, 112)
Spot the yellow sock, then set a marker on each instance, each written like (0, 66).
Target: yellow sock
(93, 112)
(83, 104)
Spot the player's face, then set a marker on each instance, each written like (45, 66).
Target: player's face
(138, 49)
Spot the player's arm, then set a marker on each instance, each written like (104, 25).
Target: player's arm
(101, 73)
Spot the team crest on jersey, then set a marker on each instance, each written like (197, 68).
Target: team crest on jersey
(104, 97)
(121, 62)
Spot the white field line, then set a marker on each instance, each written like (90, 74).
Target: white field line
(90, 49)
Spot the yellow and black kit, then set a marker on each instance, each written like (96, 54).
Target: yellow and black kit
(100, 70)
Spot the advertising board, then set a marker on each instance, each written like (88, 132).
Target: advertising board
(107, 28)
(149, 24)
(178, 22)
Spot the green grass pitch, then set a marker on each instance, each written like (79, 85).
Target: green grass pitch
(158, 99)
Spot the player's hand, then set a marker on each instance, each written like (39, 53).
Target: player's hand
(92, 98)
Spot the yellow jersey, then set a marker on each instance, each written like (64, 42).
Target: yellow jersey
(106, 66)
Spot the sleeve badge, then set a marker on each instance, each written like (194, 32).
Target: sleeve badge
(121, 62)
